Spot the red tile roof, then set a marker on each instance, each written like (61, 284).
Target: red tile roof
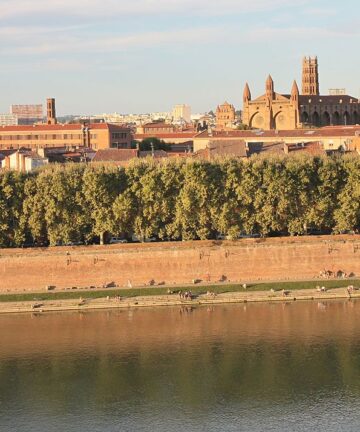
(327, 99)
(346, 131)
(115, 155)
(230, 147)
(312, 147)
(60, 127)
(175, 135)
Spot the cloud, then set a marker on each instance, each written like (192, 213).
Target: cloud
(317, 11)
(110, 8)
(13, 33)
(261, 34)
(70, 44)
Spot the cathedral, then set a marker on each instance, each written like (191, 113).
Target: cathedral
(292, 111)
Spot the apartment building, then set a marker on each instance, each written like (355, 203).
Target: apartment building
(95, 136)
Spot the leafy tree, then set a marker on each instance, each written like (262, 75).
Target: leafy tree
(198, 202)
(153, 143)
(101, 186)
(11, 198)
(347, 215)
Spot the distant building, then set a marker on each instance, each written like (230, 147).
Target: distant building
(314, 148)
(119, 157)
(225, 116)
(331, 138)
(182, 113)
(23, 160)
(310, 77)
(155, 128)
(275, 111)
(27, 114)
(232, 148)
(337, 92)
(8, 120)
(95, 136)
(51, 111)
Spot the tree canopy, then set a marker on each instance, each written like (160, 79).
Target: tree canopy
(181, 199)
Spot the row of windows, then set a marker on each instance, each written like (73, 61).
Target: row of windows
(43, 137)
(119, 135)
(157, 130)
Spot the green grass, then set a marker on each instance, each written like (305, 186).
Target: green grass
(196, 289)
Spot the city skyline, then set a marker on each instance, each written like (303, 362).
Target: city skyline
(141, 56)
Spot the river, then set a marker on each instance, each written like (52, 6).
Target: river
(247, 367)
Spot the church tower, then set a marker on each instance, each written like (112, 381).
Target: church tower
(310, 76)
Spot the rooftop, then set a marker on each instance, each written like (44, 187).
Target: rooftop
(59, 127)
(340, 131)
(115, 155)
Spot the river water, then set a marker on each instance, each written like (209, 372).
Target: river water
(253, 367)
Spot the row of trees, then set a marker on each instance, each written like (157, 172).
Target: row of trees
(180, 199)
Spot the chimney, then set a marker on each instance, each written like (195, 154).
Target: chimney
(51, 112)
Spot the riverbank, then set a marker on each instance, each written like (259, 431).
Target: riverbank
(179, 263)
(84, 303)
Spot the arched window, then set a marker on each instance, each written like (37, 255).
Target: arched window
(347, 119)
(304, 117)
(336, 118)
(326, 119)
(316, 119)
(355, 117)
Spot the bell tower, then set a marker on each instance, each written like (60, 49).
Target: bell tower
(51, 112)
(310, 76)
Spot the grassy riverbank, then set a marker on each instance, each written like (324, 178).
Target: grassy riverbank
(157, 291)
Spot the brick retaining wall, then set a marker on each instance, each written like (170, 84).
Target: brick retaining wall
(178, 262)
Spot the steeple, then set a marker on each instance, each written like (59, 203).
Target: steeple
(295, 92)
(247, 93)
(270, 88)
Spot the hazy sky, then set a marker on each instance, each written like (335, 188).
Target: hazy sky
(127, 56)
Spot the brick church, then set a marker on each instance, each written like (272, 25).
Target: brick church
(308, 109)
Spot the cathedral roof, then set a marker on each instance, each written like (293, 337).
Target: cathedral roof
(277, 97)
(327, 99)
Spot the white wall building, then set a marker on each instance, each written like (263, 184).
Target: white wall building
(23, 161)
(182, 113)
(8, 120)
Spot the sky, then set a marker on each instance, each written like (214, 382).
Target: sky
(139, 56)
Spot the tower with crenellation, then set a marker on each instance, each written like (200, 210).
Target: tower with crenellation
(310, 76)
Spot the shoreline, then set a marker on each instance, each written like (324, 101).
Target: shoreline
(173, 300)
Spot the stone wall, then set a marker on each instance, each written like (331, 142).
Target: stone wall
(178, 262)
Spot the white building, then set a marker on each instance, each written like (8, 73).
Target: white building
(8, 120)
(23, 161)
(182, 113)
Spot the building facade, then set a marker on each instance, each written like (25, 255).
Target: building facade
(225, 116)
(331, 138)
(271, 110)
(310, 77)
(28, 114)
(182, 113)
(275, 111)
(8, 120)
(96, 136)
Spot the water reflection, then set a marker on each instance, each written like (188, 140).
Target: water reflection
(290, 366)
